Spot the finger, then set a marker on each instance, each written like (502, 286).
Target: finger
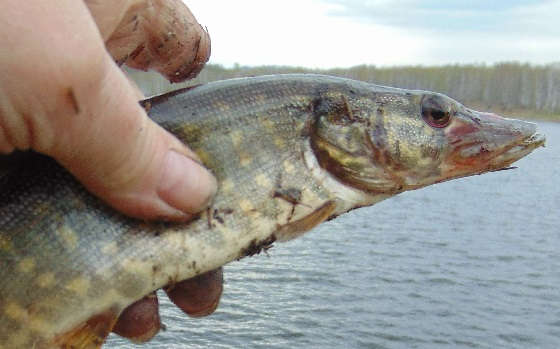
(140, 321)
(87, 117)
(198, 296)
(159, 35)
(127, 159)
(109, 14)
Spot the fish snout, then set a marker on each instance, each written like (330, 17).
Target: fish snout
(484, 142)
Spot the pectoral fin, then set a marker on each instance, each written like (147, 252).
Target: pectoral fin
(90, 334)
(296, 228)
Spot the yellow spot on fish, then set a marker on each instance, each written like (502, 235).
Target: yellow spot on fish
(5, 243)
(244, 159)
(41, 208)
(288, 166)
(227, 185)
(15, 311)
(223, 106)
(45, 280)
(204, 157)
(68, 236)
(79, 285)
(38, 324)
(246, 205)
(263, 180)
(279, 142)
(259, 98)
(26, 265)
(268, 125)
(236, 138)
(424, 161)
(110, 249)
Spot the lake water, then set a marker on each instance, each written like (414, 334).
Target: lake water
(472, 263)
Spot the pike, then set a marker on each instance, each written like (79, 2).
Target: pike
(289, 152)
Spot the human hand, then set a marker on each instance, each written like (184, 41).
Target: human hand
(62, 94)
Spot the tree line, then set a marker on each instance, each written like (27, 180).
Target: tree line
(510, 88)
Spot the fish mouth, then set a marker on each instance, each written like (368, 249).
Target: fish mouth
(516, 151)
(485, 142)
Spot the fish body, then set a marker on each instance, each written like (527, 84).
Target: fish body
(288, 151)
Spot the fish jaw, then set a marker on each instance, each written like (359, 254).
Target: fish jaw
(482, 142)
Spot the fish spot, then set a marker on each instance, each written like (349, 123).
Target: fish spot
(35, 321)
(236, 138)
(268, 125)
(245, 159)
(227, 185)
(68, 236)
(26, 265)
(79, 286)
(203, 156)
(248, 208)
(246, 205)
(5, 244)
(223, 106)
(279, 143)
(41, 208)
(15, 311)
(261, 98)
(45, 280)
(263, 180)
(288, 166)
(110, 249)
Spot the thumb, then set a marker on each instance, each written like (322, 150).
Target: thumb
(122, 156)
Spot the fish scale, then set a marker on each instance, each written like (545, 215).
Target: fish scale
(288, 151)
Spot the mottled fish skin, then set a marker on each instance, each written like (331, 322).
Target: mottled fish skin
(289, 152)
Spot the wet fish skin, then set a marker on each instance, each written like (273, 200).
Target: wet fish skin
(289, 152)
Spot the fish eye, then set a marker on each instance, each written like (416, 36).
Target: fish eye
(436, 112)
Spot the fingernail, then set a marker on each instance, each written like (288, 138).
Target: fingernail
(185, 184)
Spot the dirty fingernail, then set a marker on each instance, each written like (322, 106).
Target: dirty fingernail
(185, 184)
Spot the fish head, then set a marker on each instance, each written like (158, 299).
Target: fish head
(398, 140)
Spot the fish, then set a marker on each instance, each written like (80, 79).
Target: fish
(288, 151)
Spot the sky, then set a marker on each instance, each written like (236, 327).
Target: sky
(344, 33)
